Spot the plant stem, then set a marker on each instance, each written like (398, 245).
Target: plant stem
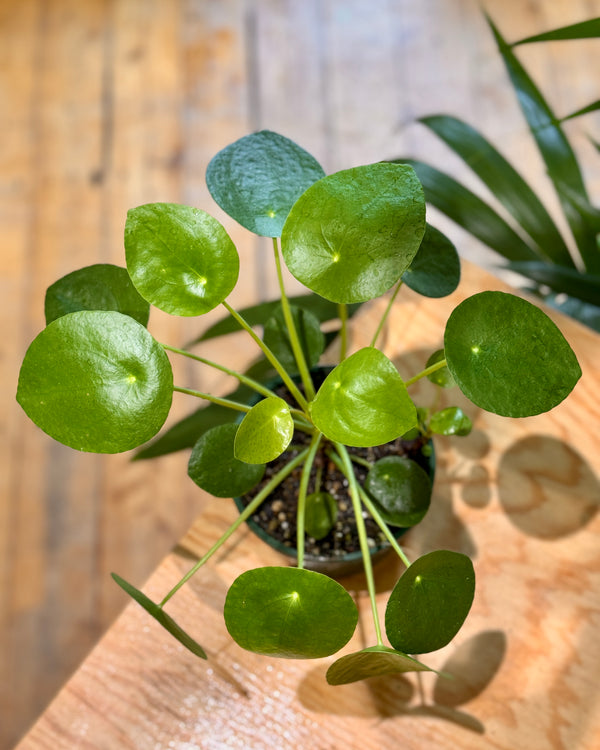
(214, 399)
(362, 461)
(293, 388)
(301, 511)
(293, 334)
(426, 371)
(362, 535)
(255, 385)
(244, 515)
(343, 315)
(385, 315)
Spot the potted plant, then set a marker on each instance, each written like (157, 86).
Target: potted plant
(96, 380)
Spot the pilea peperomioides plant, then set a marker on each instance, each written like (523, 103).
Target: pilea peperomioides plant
(96, 380)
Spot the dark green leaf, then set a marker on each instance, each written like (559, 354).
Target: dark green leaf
(214, 468)
(593, 107)
(179, 258)
(507, 356)
(400, 489)
(585, 313)
(363, 401)
(96, 381)
(308, 329)
(265, 432)
(161, 617)
(504, 182)
(443, 376)
(351, 236)
(583, 30)
(289, 612)
(99, 287)
(257, 179)
(321, 514)
(435, 269)
(576, 284)
(450, 421)
(430, 602)
(372, 662)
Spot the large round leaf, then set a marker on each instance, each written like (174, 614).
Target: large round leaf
(265, 432)
(363, 401)
(99, 287)
(308, 330)
(430, 602)
(214, 467)
(289, 612)
(372, 662)
(257, 179)
(179, 258)
(507, 356)
(401, 490)
(435, 270)
(352, 235)
(96, 381)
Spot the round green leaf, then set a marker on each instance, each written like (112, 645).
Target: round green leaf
(435, 270)
(257, 179)
(372, 662)
(401, 490)
(450, 421)
(99, 287)
(352, 235)
(507, 356)
(289, 612)
(265, 432)
(308, 329)
(96, 381)
(430, 602)
(320, 515)
(214, 467)
(443, 376)
(363, 401)
(179, 258)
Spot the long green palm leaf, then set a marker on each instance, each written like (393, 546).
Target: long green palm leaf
(585, 30)
(582, 286)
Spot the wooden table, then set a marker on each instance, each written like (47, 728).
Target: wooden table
(520, 496)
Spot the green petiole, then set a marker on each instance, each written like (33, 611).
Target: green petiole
(301, 512)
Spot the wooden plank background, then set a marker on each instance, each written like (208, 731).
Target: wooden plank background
(107, 104)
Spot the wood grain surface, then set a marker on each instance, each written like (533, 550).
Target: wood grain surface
(107, 104)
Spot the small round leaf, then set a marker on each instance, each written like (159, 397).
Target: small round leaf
(443, 376)
(257, 179)
(352, 235)
(96, 381)
(507, 356)
(289, 612)
(308, 329)
(372, 662)
(430, 602)
(450, 421)
(99, 287)
(321, 514)
(401, 490)
(435, 270)
(363, 401)
(265, 432)
(214, 467)
(179, 258)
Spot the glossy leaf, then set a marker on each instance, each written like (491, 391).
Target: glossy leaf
(99, 287)
(289, 612)
(308, 330)
(96, 381)
(443, 376)
(351, 236)
(161, 617)
(320, 515)
(372, 662)
(504, 182)
(576, 284)
(584, 30)
(363, 401)
(450, 421)
(430, 602)
(507, 356)
(179, 258)
(214, 468)
(435, 269)
(265, 432)
(400, 489)
(257, 179)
